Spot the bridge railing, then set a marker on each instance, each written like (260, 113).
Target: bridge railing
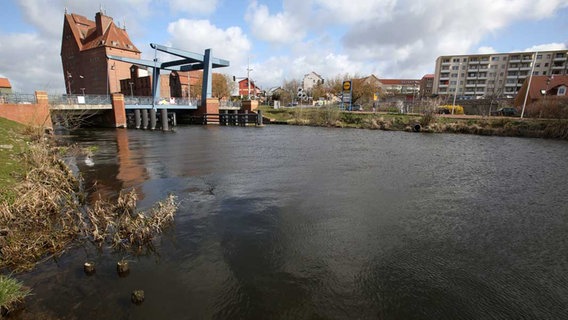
(147, 100)
(229, 104)
(17, 98)
(72, 99)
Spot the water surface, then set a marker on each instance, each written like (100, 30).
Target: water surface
(286, 222)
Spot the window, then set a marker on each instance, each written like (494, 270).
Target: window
(562, 91)
(454, 75)
(456, 60)
(537, 65)
(535, 73)
(546, 64)
(453, 83)
(539, 56)
(455, 67)
(494, 58)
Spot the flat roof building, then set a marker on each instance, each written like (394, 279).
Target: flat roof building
(495, 74)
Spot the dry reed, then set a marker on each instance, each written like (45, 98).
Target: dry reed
(49, 214)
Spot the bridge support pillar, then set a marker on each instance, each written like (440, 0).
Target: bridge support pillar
(144, 119)
(164, 116)
(137, 119)
(152, 119)
(118, 111)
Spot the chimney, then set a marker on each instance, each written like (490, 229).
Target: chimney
(102, 22)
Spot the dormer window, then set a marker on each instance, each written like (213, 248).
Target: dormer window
(562, 91)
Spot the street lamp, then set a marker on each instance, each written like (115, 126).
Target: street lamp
(131, 91)
(456, 88)
(69, 82)
(83, 91)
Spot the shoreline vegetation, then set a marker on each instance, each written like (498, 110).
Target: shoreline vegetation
(428, 122)
(43, 210)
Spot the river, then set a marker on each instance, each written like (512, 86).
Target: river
(288, 222)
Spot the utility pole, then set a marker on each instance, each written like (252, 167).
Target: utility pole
(529, 85)
(248, 77)
(456, 89)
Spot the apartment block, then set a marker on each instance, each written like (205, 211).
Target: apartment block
(498, 74)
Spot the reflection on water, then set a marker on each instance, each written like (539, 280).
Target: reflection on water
(295, 223)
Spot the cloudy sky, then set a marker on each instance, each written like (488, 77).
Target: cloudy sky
(283, 40)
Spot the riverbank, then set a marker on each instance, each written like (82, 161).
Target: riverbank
(44, 210)
(430, 122)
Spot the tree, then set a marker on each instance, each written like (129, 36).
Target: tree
(291, 89)
(219, 86)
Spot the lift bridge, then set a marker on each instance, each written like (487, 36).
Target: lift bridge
(187, 61)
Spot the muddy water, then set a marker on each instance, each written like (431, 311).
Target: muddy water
(309, 223)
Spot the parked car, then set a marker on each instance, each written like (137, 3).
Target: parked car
(355, 107)
(506, 112)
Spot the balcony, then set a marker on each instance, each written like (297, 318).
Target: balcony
(558, 67)
(559, 59)
(472, 69)
(446, 63)
(510, 85)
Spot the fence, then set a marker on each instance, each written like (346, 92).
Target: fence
(18, 98)
(73, 99)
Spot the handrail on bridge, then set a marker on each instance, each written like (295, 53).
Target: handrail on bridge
(18, 98)
(147, 100)
(73, 99)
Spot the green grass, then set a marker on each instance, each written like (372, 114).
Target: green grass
(11, 292)
(12, 144)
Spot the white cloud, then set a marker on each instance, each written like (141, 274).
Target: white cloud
(194, 6)
(547, 47)
(485, 50)
(197, 35)
(31, 63)
(278, 28)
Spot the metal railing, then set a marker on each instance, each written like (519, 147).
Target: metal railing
(147, 100)
(18, 98)
(229, 104)
(73, 99)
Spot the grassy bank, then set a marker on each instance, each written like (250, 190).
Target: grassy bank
(43, 210)
(433, 123)
(12, 143)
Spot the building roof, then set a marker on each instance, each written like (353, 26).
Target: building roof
(87, 36)
(399, 81)
(5, 83)
(539, 83)
(428, 76)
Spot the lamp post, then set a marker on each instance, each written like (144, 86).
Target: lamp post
(456, 89)
(83, 91)
(69, 83)
(131, 91)
(248, 77)
(529, 85)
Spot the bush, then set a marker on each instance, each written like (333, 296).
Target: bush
(552, 108)
(447, 109)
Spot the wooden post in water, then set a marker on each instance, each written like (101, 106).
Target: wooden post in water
(137, 120)
(259, 117)
(152, 119)
(144, 119)
(164, 116)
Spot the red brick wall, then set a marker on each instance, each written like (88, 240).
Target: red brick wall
(36, 115)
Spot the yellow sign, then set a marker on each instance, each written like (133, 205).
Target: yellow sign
(346, 85)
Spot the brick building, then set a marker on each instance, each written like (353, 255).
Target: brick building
(244, 88)
(5, 86)
(84, 47)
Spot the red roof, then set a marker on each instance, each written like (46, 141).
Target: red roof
(399, 81)
(427, 76)
(87, 37)
(5, 83)
(539, 83)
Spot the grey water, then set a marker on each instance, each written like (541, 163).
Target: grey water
(287, 222)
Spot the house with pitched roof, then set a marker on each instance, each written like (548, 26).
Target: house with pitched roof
(542, 87)
(85, 45)
(5, 86)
